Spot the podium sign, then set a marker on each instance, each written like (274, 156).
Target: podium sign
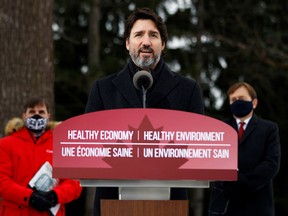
(146, 144)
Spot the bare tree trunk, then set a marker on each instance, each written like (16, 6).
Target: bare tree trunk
(94, 38)
(197, 199)
(90, 193)
(26, 47)
(94, 71)
(198, 194)
(200, 18)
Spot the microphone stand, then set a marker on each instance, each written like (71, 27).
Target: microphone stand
(144, 91)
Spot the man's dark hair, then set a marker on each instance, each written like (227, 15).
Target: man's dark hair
(32, 102)
(146, 14)
(250, 89)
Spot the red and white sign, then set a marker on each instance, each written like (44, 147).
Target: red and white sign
(147, 144)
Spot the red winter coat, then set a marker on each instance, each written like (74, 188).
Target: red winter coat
(20, 158)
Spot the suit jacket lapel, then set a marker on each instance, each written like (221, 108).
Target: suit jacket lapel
(250, 127)
(125, 86)
(165, 83)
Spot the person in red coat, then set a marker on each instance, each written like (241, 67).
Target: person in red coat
(22, 153)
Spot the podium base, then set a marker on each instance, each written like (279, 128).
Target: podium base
(144, 193)
(144, 207)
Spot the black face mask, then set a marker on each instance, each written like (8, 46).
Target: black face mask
(241, 108)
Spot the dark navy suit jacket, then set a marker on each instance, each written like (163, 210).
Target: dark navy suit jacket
(170, 90)
(258, 163)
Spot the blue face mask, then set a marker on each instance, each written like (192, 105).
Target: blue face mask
(241, 108)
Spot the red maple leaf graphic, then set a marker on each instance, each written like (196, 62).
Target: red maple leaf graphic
(144, 164)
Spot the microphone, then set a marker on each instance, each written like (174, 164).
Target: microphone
(143, 80)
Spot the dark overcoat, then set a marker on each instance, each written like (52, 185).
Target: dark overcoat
(170, 90)
(258, 163)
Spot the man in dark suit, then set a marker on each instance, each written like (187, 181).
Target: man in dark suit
(258, 160)
(146, 37)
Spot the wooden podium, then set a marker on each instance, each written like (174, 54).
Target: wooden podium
(144, 207)
(142, 151)
(145, 197)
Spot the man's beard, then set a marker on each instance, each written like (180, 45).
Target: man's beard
(145, 62)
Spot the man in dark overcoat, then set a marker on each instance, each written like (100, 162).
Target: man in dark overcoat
(258, 160)
(146, 37)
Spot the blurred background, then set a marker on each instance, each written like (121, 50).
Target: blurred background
(56, 48)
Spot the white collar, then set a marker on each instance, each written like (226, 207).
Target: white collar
(246, 121)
